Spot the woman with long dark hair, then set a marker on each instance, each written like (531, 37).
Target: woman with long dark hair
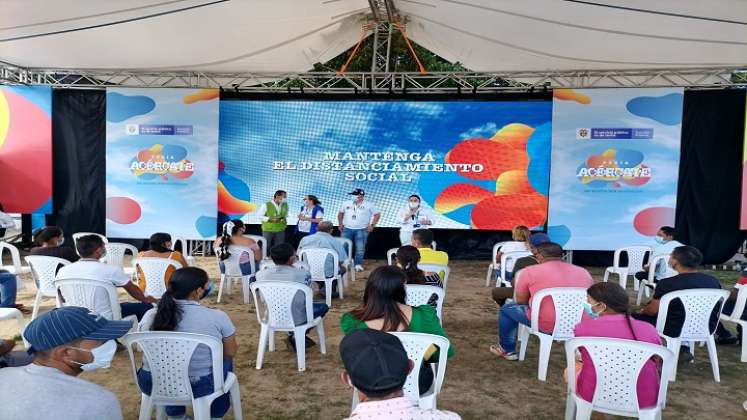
(49, 240)
(407, 259)
(160, 246)
(232, 233)
(179, 310)
(609, 306)
(384, 309)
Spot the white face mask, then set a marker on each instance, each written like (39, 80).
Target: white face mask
(414, 205)
(102, 356)
(61, 241)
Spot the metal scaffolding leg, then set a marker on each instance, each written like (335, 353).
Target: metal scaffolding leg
(382, 38)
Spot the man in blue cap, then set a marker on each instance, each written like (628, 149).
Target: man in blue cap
(501, 294)
(65, 342)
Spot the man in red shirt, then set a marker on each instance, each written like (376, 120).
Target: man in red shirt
(550, 272)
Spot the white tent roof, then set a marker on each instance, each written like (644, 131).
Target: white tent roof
(292, 35)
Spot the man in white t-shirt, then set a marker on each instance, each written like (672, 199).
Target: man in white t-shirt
(357, 218)
(411, 217)
(91, 249)
(665, 244)
(65, 342)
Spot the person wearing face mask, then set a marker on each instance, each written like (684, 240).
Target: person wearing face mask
(65, 342)
(413, 216)
(685, 261)
(180, 310)
(274, 215)
(160, 246)
(608, 306)
(91, 249)
(357, 218)
(49, 240)
(665, 244)
(310, 215)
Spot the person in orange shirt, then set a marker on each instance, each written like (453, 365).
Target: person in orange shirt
(160, 247)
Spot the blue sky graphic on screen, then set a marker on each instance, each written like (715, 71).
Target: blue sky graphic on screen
(161, 162)
(615, 165)
(481, 165)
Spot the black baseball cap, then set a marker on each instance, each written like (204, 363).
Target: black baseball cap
(357, 191)
(376, 361)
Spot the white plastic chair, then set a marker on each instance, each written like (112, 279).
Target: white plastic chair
(168, 355)
(636, 255)
(736, 316)
(420, 294)
(13, 313)
(652, 278)
(186, 251)
(82, 292)
(509, 257)
(76, 236)
(569, 308)
(617, 364)
(391, 254)
(316, 258)
(44, 270)
(349, 262)
(15, 267)
(416, 345)
(278, 297)
(699, 304)
(233, 272)
(154, 269)
(437, 268)
(115, 255)
(261, 241)
(301, 265)
(494, 264)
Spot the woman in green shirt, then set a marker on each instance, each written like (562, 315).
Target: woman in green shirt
(384, 309)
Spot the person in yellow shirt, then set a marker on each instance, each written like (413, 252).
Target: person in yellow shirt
(422, 239)
(161, 247)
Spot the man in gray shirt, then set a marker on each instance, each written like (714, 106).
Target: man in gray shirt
(283, 255)
(323, 239)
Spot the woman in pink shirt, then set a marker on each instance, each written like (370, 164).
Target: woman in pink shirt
(608, 304)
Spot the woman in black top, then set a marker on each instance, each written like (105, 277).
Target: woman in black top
(49, 240)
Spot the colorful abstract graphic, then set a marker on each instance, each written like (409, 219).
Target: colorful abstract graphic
(26, 149)
(476, 164)
(615, 166)
(161, 162)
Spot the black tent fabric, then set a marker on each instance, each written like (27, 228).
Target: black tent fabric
(79, 154)
(710, 179)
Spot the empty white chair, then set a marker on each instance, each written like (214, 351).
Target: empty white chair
(736, 317)
(699, 304)
(506, 259)
(278, 297)
(416, 345)
(168, 355)
(79, 234)
(420, 294)
(44, 270)
(650, 280)
(154, 269)
(316, 258)
(115, 255)
(233, 272)
(82, 292)
(636, 255)
(494, 264)
(442, 270)
(569, 308)
(15, 267)
(617, 364)
(349, 262)
(262, 242)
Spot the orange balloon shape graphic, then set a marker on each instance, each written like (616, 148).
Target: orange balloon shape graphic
(202, 95)
(503, 212)
(459, 195)
(228, 204)
(515, 135)
(571, 95)
(513, 182)
(495, 158)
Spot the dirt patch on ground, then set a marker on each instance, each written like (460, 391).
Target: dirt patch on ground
(477, 386)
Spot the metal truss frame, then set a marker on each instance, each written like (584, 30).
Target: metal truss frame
(377, 82)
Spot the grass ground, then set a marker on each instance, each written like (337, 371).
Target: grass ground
(477, 385)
